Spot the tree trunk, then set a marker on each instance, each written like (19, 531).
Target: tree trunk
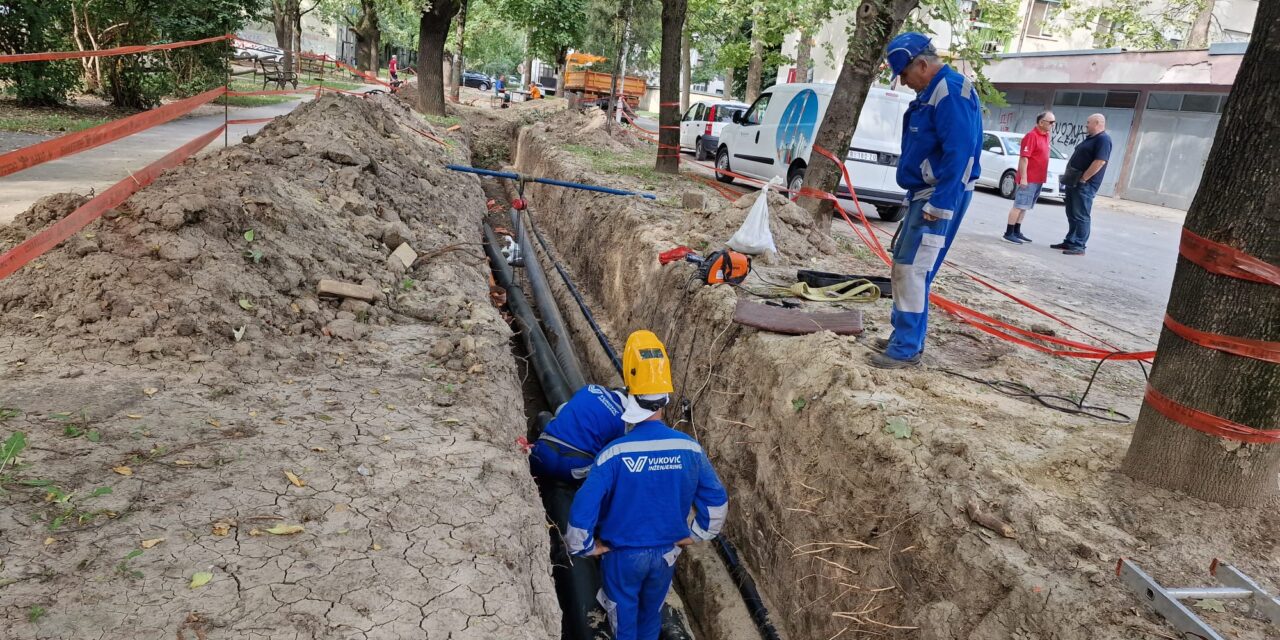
(674, 42)
(562, 67)
(433, 30)
(455, 80)
(756, 65)
(528, 60)
(282, 18)
(297, 39)
(877, 21)
(686, 71)
(728, 84)
(1235, 206)
(374, 50)
(1199, 37)
(618, 63)
(804, 55)
(366, 30)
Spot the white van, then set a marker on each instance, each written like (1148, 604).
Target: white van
(774, 137)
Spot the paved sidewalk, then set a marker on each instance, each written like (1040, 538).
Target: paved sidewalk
(96, 169)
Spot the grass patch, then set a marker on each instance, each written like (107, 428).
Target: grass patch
(637, 163)
(442, 121)
(647, 114)
(255, 101)
(333, 84)
(46, 122)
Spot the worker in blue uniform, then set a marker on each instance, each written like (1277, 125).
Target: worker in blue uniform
(941, 144)
(580, 429)
(633, 510)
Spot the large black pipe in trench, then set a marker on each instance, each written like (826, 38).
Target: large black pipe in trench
(552, 321)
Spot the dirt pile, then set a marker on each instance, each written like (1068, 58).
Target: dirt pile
(217, 451)
(856, 493)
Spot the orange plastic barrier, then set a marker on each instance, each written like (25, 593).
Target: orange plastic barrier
(118, 51)
(51, 236)
(1223, 260)
(62, 146)
(1206, 422)
(1248, 348)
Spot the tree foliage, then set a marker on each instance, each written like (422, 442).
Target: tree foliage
(1135, 24)
(31, 27)
(495, 44)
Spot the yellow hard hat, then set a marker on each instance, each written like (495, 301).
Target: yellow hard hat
(645, 367)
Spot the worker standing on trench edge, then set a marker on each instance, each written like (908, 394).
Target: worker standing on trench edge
(633, 510)
(587, 422)
(941, 144)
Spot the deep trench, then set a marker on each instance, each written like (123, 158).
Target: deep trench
(582, 618)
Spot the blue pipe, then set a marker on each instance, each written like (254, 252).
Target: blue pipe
(556, 183)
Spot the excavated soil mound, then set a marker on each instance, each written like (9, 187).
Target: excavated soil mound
(216, 451)
(901, 504)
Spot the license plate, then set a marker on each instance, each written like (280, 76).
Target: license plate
(864, 156)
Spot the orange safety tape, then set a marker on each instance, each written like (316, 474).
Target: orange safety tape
(42, 152)
(1206, 422)
(250, 121)
(1246, 347)
(273, 92)
(37, 245)
(429, 136)
(356, 71)
(118, 51)
(1223, 260)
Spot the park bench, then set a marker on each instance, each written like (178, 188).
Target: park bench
(272, 72)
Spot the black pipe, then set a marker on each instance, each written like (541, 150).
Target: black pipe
(541, 356)
(552, 322)
(746, 587)
(582, 304)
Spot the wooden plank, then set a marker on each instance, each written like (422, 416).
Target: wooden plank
(345, 290)
(794, 321)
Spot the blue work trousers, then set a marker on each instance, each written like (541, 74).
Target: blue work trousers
(1079, 201)
(917, 253)
(552, 460)
(636, 581)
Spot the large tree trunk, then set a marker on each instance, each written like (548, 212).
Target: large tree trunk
(455, 79)
(756, 65)
(619, 63)
(804, 55)
(1235, 206)
(876, 22)
(686, 70)
(669, 81)
(528, 60)
(367, 30)
(433, 30)
(562, 67)
(728, 84)
(1199, 37)
(283, 18)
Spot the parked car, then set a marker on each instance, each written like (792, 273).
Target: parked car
(774, 137)
(1000, 165)
(476, 80)
(700, 127)
(245, 50)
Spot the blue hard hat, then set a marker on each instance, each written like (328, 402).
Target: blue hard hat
(903, 49)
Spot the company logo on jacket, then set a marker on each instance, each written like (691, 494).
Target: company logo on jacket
(665, 463)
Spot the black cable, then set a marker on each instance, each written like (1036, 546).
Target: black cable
(1049, 400)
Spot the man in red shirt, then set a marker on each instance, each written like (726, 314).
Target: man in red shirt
(393, 68)
(1033, 167)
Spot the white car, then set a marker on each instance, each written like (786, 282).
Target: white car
(700, 127)
(774, 137)
(1000, 165)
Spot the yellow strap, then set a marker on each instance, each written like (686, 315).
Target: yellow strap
(848, 291)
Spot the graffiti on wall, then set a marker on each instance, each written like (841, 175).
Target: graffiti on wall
(1068, 134)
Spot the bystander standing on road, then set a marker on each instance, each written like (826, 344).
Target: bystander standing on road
(1081, 180)
(1033, 170)
(393, 68)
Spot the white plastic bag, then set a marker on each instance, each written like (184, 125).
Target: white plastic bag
(754, 236)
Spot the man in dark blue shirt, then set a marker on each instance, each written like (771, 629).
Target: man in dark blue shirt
(1085, 169)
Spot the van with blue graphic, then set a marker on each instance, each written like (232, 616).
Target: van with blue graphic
(774, 138)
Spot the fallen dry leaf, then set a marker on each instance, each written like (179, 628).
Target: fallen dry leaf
(255, 532)
(134, 416)
(184, 463)
(376, 547)
(319, 449)
(123, 470)
(386, 438)
(391, 407)
(221, 528)
(214, 423)
(49, 541)
(341, 507)
(295, 480)
(147, 544)
(200, 579)
(285, 529)
(150, 391)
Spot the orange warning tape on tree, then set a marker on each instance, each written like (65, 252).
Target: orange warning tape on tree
(42, 152)
(1246, 347)
(51, 236)
(118, 51)
(1207, 423)
(1223, 260)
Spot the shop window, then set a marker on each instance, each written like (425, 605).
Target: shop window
(1093, 99)
(1121, 99)
(1200, 102)
(1164, 101)
(1067, 98)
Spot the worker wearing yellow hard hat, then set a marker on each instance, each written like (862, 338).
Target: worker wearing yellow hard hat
(596, 415)
(633, 510)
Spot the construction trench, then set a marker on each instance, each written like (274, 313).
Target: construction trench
(192, 368)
